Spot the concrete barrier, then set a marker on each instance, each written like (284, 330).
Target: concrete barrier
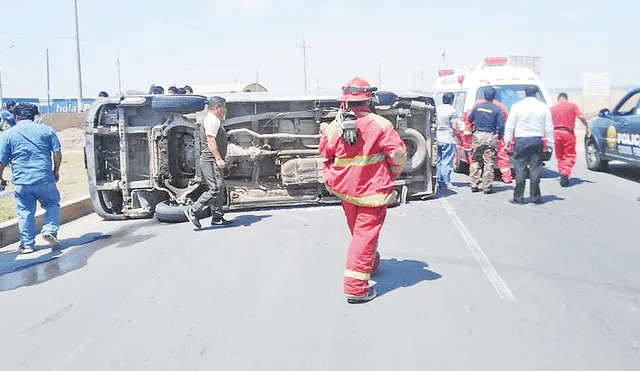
(69, 211)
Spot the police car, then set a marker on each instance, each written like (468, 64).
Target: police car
(468, 87)
(615, 134)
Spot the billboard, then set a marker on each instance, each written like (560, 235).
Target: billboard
(596, 84)
(61, 105)
(64, 105)
(35, 101)
(525, 61)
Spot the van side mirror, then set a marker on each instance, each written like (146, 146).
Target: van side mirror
(604, 113)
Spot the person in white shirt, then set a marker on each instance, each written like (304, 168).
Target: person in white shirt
(528, 124)
(447, 122)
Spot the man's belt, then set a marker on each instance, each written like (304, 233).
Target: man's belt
(483, 131)
(564, 129)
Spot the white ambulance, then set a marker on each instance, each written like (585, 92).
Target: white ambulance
(468, 87)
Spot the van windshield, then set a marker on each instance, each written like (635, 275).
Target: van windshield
(508, 94)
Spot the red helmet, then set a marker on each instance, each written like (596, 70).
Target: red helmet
(357, 89)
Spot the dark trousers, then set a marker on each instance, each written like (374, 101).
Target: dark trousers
(527, 152)
(214, 195)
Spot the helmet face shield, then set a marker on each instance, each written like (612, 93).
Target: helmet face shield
(357, 90)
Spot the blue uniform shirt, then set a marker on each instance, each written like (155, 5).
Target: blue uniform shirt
(28, 147)
(487, 117)
(9, 117)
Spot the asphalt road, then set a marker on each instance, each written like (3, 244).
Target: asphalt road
(467, 282)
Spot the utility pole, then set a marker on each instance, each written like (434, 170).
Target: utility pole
(2, 51)
(80, 105)
(257, 75)
(119, 76)
(48, 85)
(444, 57)
(304, 55)
(379, 75)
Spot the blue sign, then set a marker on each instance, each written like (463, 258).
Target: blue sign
(63, 105)
(35, 101)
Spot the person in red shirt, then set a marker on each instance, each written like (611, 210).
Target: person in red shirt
(564, 115)
(362, 174)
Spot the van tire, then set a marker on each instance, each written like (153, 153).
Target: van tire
(413, 137)
(178, 103)
(175, 213)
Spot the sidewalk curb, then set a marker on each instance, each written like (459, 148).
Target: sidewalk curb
(69, 211)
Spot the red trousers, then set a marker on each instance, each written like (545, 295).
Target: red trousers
(565, 148)
(365, 224)
(502, 161)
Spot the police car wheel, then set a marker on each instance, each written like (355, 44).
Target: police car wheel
(594, 159)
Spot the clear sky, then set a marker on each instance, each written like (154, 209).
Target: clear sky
(218, 41)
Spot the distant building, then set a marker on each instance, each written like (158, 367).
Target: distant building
(227, 88)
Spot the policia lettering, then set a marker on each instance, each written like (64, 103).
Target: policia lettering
(629, 139)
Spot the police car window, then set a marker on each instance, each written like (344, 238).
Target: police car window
(629, 106)
(458, 103)
(439, 99)
(508, 95)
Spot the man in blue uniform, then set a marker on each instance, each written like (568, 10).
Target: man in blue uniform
(488, 128)
(8, 118)
(28, 148)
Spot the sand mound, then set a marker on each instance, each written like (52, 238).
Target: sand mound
(71, 139)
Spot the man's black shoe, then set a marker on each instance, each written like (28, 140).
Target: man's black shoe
(219, 220)
(488, 191)
(192, 217)
(564, 180)
(516, 202)
(475, 189)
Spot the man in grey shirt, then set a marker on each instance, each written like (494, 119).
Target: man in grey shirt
(446, 140)
(212, 154)
(528, 123)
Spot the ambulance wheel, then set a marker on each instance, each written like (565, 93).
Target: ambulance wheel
(594, 159)
(459, 167)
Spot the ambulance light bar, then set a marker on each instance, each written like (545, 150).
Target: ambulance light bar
(443, 73)
(495, 61)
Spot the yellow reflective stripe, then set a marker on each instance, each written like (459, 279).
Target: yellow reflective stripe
(357, 275)
(359, 160)
(366, 201)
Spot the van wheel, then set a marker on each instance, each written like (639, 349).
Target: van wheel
(417, 148)
(175, 213)
(594, 159)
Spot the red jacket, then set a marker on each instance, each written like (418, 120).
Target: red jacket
(363, 174)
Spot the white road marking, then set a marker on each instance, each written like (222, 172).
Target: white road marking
(495, 279)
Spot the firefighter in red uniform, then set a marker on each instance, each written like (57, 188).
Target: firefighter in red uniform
(502, 158)
(362, 175)
(564, 115)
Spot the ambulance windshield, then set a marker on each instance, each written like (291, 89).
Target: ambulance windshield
(509, 94)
